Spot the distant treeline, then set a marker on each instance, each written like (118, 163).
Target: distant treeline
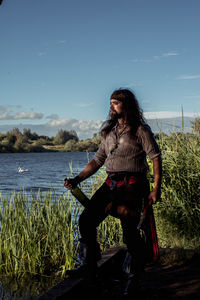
(66, 141)
(27, 141)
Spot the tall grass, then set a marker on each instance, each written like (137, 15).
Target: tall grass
(37, 234)
(178, 213)
(40, 235)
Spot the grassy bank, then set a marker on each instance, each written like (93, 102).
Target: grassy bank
(39, 235)
(36, 235)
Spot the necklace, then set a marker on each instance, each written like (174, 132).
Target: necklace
(119, 130)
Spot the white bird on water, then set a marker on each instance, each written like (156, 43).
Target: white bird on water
(20, 170)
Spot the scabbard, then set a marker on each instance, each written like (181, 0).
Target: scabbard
(150, 236)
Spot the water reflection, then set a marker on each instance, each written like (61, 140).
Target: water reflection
(23, 289)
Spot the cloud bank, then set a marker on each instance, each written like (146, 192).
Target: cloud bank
(84, 128)
(7, 114)
(167, 114)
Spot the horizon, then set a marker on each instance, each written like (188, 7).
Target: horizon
(87, 129)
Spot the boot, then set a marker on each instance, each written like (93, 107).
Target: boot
(88, 257)
(81, 268)
(131, 285)
(133, 271)
(126, 267)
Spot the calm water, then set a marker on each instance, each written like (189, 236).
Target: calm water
(42, 170)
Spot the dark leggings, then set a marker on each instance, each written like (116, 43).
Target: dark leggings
(124, 203)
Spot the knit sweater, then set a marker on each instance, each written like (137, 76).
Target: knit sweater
(126, 153)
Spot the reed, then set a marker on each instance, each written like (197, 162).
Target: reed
(37, 234)
(40, 235)
(178, 212)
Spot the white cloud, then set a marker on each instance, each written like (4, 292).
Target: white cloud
(192, 97)
(61, 41)
(85, 104)
(42, 53)
(167, 114)
(76, 124)
(87, 125)
(188, 77)
(2, 108)
(133, 84)
(53, 117)
(7, 115)
(60, 122)
(136, 60)
(167, 54)
(28, 115)
(8, 107)
(170, 54)
(156, 57)
(84, 128)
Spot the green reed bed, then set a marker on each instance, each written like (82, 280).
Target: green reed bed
(178, 212)
(39, 234)
(36, 235)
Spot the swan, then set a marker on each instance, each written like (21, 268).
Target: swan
(20, 170)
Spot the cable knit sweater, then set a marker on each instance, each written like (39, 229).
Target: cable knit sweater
(125, 153)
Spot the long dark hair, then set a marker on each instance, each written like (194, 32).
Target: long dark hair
(133, 112)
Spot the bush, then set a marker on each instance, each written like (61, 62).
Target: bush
(5, 146)
(63, 136)
(71, 146)
(35, 147)
(30, 135)
(21, 144)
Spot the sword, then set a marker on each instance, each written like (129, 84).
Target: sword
(143, 215)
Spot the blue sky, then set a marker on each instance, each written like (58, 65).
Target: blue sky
(61, 60)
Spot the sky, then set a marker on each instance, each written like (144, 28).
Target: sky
(61, 60)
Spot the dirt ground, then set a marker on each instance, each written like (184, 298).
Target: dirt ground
(172, 277)
(174, 281)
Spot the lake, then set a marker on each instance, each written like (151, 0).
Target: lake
(40, 170)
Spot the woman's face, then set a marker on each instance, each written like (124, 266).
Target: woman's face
(116, 108)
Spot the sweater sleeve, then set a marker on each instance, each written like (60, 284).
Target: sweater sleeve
(148, 141)
(100, 155)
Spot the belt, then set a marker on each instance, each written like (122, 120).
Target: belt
(123, 175)
(118, 179)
